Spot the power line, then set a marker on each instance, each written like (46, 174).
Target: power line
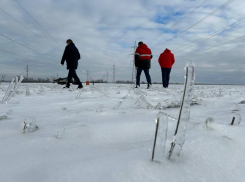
(180, 20)
(107, 76)
(26, 27)
(214, 46)
(210, 36)
(180, 6)
(41, 16)
(207, 16)
(36, 21)
(134, 47)
(25, 46)
(114, 73)
(18, 55)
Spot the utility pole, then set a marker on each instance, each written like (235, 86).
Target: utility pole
(114, 73)
(27, 72)
(57, 76)
(103, 78)
(2, 79)
(107, 76)
(87, 75)
(134, 47)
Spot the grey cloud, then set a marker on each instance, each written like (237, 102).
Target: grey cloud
(104, 31)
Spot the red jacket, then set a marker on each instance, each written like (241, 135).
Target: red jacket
(143, 57)
(166, 59)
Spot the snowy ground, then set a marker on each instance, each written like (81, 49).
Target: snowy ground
(98, 143)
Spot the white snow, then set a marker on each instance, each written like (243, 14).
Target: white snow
(95, 138)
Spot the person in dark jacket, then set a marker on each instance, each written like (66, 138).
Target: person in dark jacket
(166, 61)
(143, 58)
(71, 56)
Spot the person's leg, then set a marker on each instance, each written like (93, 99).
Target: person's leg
(76, 78)
(138, 76)
(69, 77)
(74, 75)
(164, 77)
(148, 77)
(168, 76)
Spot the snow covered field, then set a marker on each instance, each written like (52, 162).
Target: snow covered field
(89, 138)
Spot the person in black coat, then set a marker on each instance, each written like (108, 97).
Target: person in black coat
(71, 56)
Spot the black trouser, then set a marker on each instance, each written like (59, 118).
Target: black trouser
(147, 75)
(72, 74)
(165, 76)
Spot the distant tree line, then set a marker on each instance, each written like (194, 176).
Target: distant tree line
(38, 80)
(98, 81)
(130, 82)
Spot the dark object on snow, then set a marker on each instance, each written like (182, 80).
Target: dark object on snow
(80, 86)
(62, 81)
(2, 117)
(233, 120)
(242, 102)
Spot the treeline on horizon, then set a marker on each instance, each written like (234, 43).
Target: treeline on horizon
(48, 80)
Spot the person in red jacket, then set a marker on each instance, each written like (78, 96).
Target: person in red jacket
(166, 61)
(143, 58)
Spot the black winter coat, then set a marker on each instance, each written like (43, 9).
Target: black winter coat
(71, 56)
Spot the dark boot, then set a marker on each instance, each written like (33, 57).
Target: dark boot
(80, 86)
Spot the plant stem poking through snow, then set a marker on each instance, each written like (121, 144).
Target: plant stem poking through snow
(184, 114)
(9, 95)
(160, 136)
(209, 122)
(117, 105)
(60, 133)
(233, 120)
(27, 90)
(236, 114)
(31, 126)
(158, 106)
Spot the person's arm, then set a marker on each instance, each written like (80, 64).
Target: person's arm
(79, 57)
(64, 56)
(173, 60)
(136, 58)
(160, 60)
(151, 54)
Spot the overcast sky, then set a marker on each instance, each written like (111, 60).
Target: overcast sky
(104, 31)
